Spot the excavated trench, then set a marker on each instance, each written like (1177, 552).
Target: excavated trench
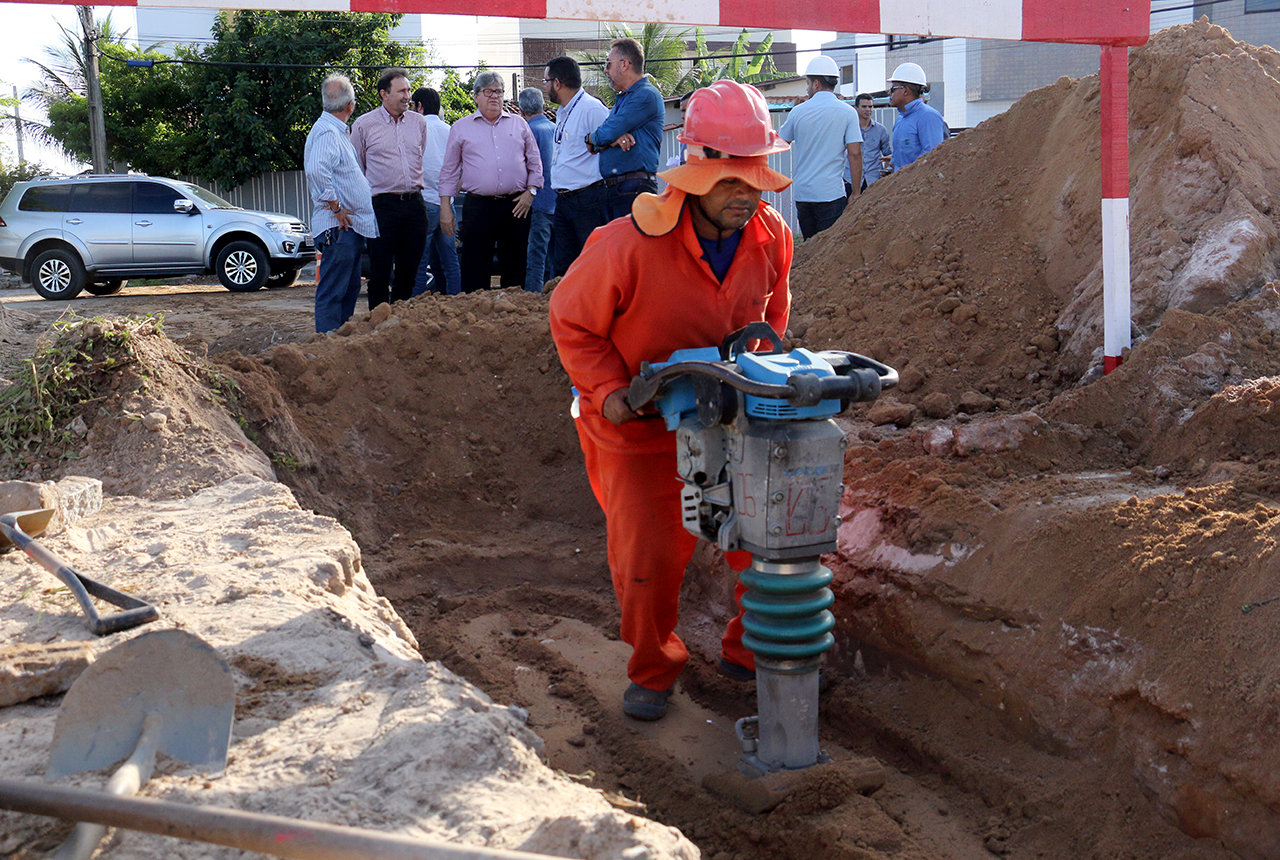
(439, 433)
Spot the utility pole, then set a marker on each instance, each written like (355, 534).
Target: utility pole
(97, 131)
(17, 124)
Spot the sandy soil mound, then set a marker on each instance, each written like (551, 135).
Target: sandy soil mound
(338, 718)
(429, 428)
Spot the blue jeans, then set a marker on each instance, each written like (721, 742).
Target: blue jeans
(339, 283)
(538, 260)
(577, 214)
(440, 257)
(618, 198)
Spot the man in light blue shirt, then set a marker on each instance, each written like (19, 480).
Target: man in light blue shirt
(537, 260)
(441, 255)
(341, 204)
(827, 138)
(575, 170)
(919, 127)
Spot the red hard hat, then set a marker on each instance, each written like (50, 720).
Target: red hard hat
(732, 118)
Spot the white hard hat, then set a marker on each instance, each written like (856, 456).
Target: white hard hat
(909, 73)
(822, 66)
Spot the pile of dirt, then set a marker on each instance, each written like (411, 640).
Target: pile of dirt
(117, 399)
(434, 430)
(976, 271)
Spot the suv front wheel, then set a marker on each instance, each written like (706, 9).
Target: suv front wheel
(243, 267)
(57, 274)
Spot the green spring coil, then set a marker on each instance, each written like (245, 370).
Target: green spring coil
(787, 615)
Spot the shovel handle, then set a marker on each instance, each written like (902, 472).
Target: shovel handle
(249, 831)
(125, 782)
(136, 611)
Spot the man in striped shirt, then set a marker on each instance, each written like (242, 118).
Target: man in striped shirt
(341, 205)
(389, 142)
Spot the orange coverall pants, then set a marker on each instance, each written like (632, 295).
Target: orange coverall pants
(649, 549)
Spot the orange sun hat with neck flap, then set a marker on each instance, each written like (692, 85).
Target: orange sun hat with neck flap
(729, 136)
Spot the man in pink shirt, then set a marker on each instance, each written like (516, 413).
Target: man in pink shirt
(493, 157)
(389, 142)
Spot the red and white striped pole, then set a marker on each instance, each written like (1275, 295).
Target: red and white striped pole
(1115, 204)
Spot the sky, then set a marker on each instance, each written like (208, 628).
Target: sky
(28, 27)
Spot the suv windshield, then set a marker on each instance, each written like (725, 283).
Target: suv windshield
(208, 197)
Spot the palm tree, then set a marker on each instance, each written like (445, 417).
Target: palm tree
(62, 73)
(740, 63)
(665, 59)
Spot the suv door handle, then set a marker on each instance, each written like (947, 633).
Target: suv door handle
(143, 223)
(74, 221)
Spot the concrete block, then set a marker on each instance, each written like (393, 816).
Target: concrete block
(29, 670)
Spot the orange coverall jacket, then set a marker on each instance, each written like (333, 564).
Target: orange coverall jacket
(630, 298)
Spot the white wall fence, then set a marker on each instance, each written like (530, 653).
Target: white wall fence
(281, 191)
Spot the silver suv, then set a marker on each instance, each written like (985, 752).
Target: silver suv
(93, 232)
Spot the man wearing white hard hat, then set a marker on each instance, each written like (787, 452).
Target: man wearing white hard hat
(827, 138)
(919, 127)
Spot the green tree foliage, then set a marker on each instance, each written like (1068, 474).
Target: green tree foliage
(455, 94)
(218, 116)
(256, 120)
(151, 122)
(669, 63)
(10, 176)
(739, 63)
(61, 84)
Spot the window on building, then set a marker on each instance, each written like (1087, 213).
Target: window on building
(1261, 6)
(898, 42)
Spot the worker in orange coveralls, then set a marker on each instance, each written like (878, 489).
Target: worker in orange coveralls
(690, 266)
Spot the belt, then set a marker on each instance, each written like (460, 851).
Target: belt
(397, 195)
(569, 192)
(611, 181)
(511, 196)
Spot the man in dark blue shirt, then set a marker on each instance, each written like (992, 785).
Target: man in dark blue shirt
(629, 139)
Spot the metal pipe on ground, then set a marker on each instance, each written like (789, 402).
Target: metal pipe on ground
(250, 831)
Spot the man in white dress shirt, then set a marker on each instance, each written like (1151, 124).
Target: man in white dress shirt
(441, 254)
(575, 172)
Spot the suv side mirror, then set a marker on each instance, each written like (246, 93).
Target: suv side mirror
(183, 205)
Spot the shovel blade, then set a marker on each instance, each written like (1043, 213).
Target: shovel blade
(169, 672)
(32, 523)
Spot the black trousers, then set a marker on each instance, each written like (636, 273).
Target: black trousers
(490, 227)
(395, 254)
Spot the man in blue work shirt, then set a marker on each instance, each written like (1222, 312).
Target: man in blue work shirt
(919, 127)
(875, 140)
(629, 139)
(538, 259)
(827, 139)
